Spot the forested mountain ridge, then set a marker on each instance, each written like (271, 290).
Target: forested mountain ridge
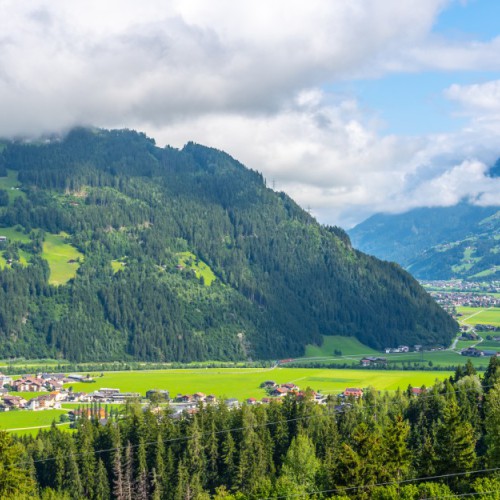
(153, 226)
(462, 241)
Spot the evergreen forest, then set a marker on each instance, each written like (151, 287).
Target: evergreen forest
(442, 443)
(180, 255)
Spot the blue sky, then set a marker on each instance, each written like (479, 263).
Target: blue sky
(412, 103)
(351, 106)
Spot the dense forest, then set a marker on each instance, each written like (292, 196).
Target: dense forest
(441, 443)
(145, 221)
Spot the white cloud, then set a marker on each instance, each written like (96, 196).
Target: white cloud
(246, 77)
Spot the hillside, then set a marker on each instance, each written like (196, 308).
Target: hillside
(462, 241)
(180, 255)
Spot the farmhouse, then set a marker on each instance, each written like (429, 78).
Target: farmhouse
(373, 361)
(354, 392)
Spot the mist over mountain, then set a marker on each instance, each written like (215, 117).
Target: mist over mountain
(114, 248)
(460, 241)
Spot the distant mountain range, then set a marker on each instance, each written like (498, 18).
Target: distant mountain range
(113, 248)
(462, 241)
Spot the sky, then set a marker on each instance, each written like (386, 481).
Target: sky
(351, 107)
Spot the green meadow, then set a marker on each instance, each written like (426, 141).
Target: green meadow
(202, 270)
(478, 316)
(11, 185)
(245, 382)
(348, 346)
(60, 254)
(22, 419)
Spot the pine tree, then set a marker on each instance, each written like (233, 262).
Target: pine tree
(456, 442)
(101, 486)
(492, 426)
(15, 480)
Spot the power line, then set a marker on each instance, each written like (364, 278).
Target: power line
(389, 483)
(462, 495)
(242, 428)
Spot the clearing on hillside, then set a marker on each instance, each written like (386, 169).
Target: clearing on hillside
(202, 270)
(62, 257)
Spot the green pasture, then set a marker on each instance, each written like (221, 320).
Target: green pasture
(117, 265)
(13, 234)
(23, 419)
(346, 345)
(34, 431)
(10, 184)
(202, 270)
(57, 252)
(244, 383)
(478, 316)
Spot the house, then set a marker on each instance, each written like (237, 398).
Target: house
(290, 386)
(14, 402)
(158, 393)
(185, 398)
(231, 402)
(416, 391)
(5, 380)
(199, 396)
(268, 384)
(211, 399)
(403, 348)
(30, 384)
(78, 396)
(353, 392)
(97, 413)
(251, 401)
(471, 351)
(370, 361)
(280, 392)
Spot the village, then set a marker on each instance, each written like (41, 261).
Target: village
(93, 403)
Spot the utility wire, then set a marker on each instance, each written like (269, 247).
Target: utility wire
(388, 483)
(243, 428)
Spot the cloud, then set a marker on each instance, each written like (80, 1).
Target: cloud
(478, 100)
(158, 62)
(250, 78)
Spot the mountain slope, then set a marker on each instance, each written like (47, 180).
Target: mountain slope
(154, 227)
(462, 241)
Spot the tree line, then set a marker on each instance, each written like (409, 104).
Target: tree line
(443, 442)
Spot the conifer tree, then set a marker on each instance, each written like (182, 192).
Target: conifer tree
(101, 485)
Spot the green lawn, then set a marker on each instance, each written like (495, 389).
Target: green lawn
(202, 270)
(22, 419)
(244, 383)
(347, 345)
(57, 252)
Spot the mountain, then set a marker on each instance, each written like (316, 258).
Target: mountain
(462, 241)
(114, 248)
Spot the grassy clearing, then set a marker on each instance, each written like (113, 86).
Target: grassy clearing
(22, 419)
(244, 383)
(11, 185)
(117, 265)
(347, 345)
(59, 254)
(202, 270)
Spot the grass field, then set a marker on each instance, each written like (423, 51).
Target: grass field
(477, 316)
(189, 260)
(10, 183)
(244, 383)
(22, 419)
(58, 253)
(347, 345)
